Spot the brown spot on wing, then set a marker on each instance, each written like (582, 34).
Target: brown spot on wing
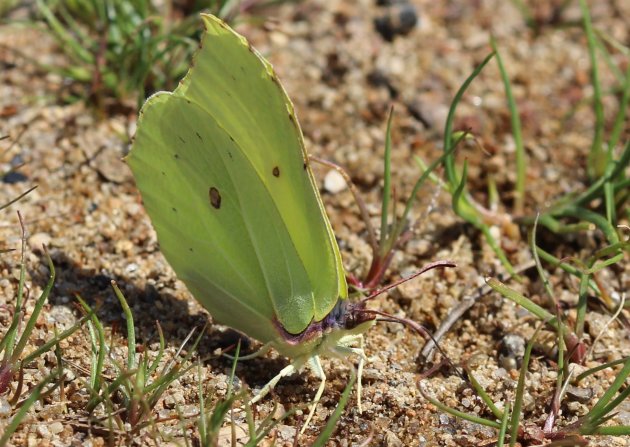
(276, 171)
(215, 197)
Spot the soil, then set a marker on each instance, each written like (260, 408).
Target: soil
(343, 76)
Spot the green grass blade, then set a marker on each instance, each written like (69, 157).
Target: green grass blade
(449, 163)
(461, 206)
(51, 343)
(504, 425)
(461, 201)
(597, 158)
(481, 392)
(596, 219)
(63, 36)
(8, 341)
(266, 426)
(521, 162)
(427, 173)
(619, 430)
(617, 401)
(520, 389)
(601, 39)
(596, 369)
(131, 330)
(158, 357)
(572, 270)
(201, 421)
(539, 268)
(233, 370)
(30, 324)
(613, 172)
(95, 378)
(522, 301)
(387, 181)
(459, 414)
(73, 26)
(328, 430)
(17, 419)
(609, 202)
(99, 346)
(620, 118)
(599, 409)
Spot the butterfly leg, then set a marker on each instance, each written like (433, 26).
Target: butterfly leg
(286, 371)
(316, 366)
(361, 354)
(343, 351)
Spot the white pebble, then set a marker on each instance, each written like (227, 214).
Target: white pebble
(38, 240)
(56, 427)
(334, 182)
(5, 408)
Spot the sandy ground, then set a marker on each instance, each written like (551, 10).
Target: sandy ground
(343, 77)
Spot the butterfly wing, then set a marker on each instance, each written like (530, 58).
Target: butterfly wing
(224, 176)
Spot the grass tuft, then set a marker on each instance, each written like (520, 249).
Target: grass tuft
(131, 393)
(18, 337)
(120, 52)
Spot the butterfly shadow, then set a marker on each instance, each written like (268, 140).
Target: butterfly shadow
(175, 317)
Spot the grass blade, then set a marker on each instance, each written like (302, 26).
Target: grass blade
(597, 159)
(325, 435)
(515, 119)
(387, 181)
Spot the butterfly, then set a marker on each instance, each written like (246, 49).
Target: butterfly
(226, 180)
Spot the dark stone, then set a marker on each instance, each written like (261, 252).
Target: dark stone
(14, 177)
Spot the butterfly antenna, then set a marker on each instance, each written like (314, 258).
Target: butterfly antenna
(417, 328)
(426, 268)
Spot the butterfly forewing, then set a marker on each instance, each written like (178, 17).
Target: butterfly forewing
(225, 178)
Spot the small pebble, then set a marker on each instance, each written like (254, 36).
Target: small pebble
(511, 351)
(5, 408)
(399, 19)
(56, 427)
(582, 395)
(13, 177)
(334, 182)
(286, 432)
(43, 431)
(444, 419)
(38, 240)
(391, 440)
(171, 401)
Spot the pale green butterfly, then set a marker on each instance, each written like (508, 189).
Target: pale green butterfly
(225, 178)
